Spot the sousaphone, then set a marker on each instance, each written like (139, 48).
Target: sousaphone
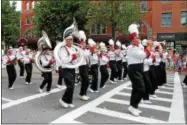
(43, 43)
(73, 31)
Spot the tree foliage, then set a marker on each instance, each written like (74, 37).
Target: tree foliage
(10, 23)
(116, 14)
(55, 16)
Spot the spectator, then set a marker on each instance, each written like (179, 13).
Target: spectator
(179, 65)
(172, 65)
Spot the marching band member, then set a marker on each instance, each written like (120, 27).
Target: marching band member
(158, 73)
(19, 56)
(124, 61)
(84, 68)
(146, 76)
(119, 57)
(152, 73)
(47, 60)
(135, 57)
(104, 59)
(9, 60)
(163, 66)
(27, 60)
(111, 54)
(68, 54)
(94, 59)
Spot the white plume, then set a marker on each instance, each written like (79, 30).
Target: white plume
(103, 48)
(124, 47)
(101, 44)
(118, 43)
(111, 42)
(144, 42)
(133, 28)
(82, 35)
(91, 42)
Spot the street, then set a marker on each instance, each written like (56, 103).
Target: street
(25, 104)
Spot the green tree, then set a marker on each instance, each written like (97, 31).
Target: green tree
(116, 14)
(10, 23)
(55, 16)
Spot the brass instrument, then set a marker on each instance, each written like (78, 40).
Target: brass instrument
(43, 42)
(71, 30)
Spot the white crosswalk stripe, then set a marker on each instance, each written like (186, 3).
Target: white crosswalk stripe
(158, 98)
(163, 92)
(160, 108)
(121, 90)
(177, 108)
(29, 98)
(125, 116)
(158, 91)
(170, 85)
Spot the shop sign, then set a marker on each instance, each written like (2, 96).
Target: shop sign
(166, 36)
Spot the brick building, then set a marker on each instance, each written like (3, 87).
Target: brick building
(170, 22)
(160, 20)
(27, 25)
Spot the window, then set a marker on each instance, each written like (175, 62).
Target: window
(32, 4)
(98, 29)
(166, 19)
(165, 1)
(184, 18)
(27, 6)
(143, 6)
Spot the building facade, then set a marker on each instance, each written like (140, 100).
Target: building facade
(27, 16)
(162, 20)
(26, 21)
(169, 22)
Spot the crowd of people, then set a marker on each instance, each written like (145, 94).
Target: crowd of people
(175, 61)
(143, 61)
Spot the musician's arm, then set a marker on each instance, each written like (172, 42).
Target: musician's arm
(65, 57)
(148, 61)
(137, 53)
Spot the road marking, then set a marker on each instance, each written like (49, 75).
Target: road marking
(160, 91)
(125, 116)
(169, 88)
(8, 100)
(169, 85)
(158, 98)
(70, 116)
(29, 98)
(73, 121)
(164, 92)
(170, 81)
(177, 107)
(160, 108)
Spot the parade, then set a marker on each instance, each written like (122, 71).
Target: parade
(145, 65)
(81, 79)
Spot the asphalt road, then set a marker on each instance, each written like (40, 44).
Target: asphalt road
(25, 104)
